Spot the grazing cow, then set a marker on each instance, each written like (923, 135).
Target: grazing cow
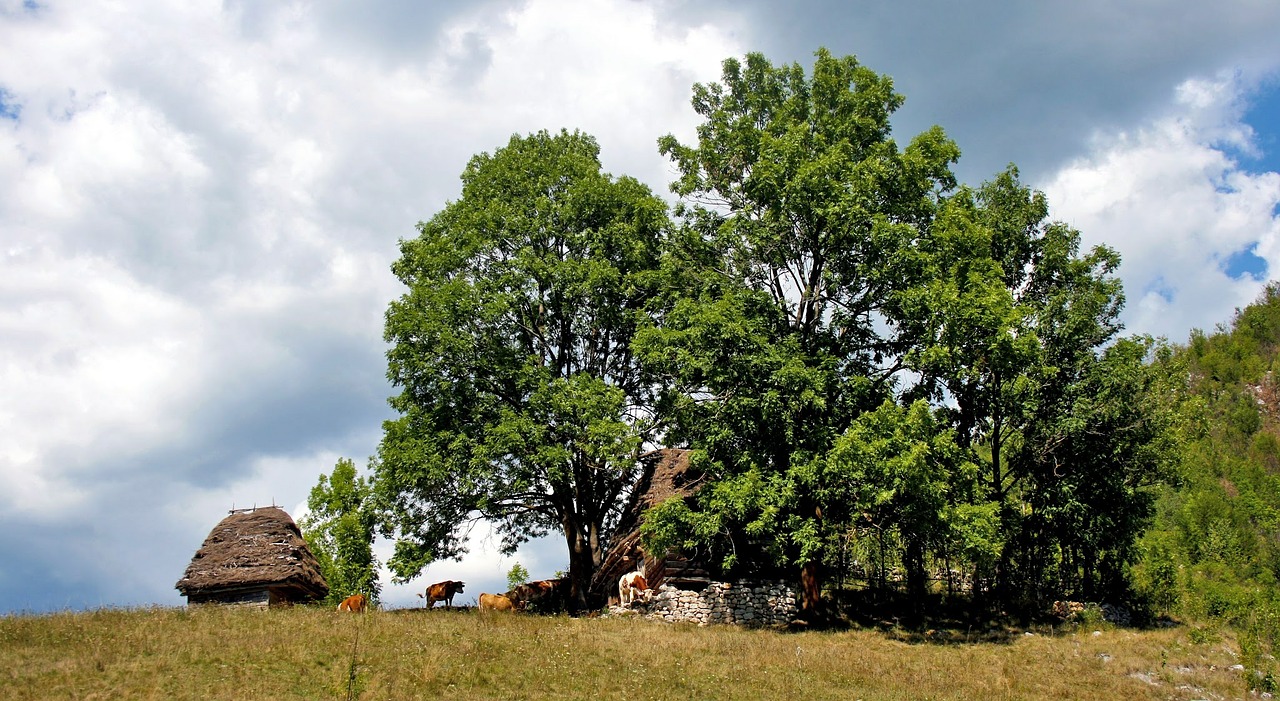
(544, 595)
(496, 602)
(631, 587)
(356, 603)
(442, 591)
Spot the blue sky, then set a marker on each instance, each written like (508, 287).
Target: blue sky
(1246, 263)
(9, 108)
(200, 203)
(1263, 116)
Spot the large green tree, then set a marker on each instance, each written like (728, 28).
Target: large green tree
(864, 347)
(1061, 413)
(521, 401)
(1020, 343)
(802, 219)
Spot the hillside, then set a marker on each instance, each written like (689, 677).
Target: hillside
(309, 653)
(1213, 551)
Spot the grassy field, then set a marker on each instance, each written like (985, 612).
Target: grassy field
(306, 653)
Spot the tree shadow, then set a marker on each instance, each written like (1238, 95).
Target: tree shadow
(934, 619)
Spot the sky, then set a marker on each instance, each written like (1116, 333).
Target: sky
(200, 203)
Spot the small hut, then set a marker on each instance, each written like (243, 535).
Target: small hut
(666, 475)
(254, 557)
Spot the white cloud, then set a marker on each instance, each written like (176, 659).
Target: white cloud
(1172, 198)
(201, 201)
(96, 367)
(613, 69)
(200, 207)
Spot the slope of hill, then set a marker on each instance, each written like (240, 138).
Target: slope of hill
(1213, 552)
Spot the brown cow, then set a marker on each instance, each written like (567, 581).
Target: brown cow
(442, 591)
(496, 602)
(356, 603)
(544, 595)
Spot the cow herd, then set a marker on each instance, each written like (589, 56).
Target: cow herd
(545, 595)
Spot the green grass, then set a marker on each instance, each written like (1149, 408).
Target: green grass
(306, 653)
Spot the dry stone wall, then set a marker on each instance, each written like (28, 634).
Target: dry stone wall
(740, 603)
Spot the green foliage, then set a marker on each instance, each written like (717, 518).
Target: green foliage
(520, 399)
(339, 529)
(896, 469)
(673, 525)
(1259, 633)
(1017, 328)
(516, 576)
(801, 215)
(1091, 617)
(1219, 525)
(879, 371)
(871, 359)
(1157, 576)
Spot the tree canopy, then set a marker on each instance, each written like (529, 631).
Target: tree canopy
(521, 401)
(875, 354)
(811, 214)
(878, 369)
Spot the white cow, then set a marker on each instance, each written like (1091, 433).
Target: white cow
(632, 586)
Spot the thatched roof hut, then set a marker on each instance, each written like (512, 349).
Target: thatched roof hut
(666, 475)
(254, 557)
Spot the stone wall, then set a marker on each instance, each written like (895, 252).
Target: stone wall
(741, 603)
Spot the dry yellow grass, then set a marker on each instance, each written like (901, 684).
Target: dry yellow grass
(306, 653)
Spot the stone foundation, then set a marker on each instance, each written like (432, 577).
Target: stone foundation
(739, 603)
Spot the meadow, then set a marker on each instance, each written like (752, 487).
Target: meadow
(312, 653)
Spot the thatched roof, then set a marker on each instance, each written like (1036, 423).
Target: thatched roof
(670, 477)
(257, 547)
(666, 475)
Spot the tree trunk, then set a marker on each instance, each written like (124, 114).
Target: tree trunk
(810, 591)
(913, 561)
(581, 567)
(997, 478)
(810, 572)
(593, 542)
